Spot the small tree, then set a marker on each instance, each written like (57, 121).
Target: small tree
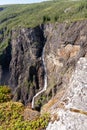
(5, 94)
(44, 19)
(48, 18)
(56, 18)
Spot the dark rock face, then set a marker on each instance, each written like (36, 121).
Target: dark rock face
(5, 59)
(26, 63)
(21, 65)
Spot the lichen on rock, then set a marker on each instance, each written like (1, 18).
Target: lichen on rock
(74, 114)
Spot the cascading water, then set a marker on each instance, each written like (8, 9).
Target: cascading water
(45, 80)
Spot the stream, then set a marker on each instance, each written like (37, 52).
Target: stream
(45, 79)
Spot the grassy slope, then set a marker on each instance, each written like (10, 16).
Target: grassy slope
(30, 15)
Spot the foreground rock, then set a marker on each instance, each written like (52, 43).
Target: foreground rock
(71, 112)
(30, 114)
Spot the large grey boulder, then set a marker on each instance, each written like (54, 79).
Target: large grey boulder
(73, 113)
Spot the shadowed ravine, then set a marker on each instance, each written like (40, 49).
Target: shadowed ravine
(45, 80)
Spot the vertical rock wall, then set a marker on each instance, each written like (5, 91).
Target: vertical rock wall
(21, 64)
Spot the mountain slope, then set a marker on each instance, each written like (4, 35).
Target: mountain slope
(32, 14)
(16, 16)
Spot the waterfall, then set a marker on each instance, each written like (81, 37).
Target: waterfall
(45, 79)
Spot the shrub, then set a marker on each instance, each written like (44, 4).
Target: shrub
(5, 94)
(11, 118)
(46, 19)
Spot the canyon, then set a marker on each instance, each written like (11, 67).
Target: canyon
(23, 68)
(44, 66)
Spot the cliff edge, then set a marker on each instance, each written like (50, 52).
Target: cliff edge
(71, 111)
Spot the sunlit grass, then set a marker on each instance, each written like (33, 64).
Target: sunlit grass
(31, 15)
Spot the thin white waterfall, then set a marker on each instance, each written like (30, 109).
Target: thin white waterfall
(45, 80)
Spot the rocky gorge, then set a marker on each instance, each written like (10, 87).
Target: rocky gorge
(21, 67)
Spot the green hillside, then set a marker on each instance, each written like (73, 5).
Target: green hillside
(33, 14)
(30, 15)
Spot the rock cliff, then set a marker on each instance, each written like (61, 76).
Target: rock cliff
(65, 44)
(71, 111)
(21, 65)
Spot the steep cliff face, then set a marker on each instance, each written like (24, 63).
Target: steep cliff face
(21, 65)
(65, 44)
(26, 64)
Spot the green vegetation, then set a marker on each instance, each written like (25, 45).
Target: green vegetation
(34, 14)
(5, 94)
(11, 118)
(41, 100)
(11, 114)
(31, 15)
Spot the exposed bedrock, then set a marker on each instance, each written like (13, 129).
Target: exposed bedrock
(71, 110)
(21, 65)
